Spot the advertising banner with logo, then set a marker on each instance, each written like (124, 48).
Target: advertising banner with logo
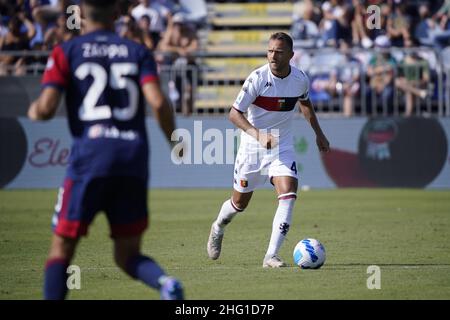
(381, 152)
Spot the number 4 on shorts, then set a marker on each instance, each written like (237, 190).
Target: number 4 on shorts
(294, 167)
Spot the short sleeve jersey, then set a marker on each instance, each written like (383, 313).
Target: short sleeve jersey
(270, 102)
(101, 74)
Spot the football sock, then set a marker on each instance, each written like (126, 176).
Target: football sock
(55, 279)
(226, 214)
(145, 269)
(281, 222)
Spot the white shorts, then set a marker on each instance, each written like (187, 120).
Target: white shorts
(250, 173)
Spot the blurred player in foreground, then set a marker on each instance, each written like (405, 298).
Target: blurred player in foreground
(105, 79)
(269, 96)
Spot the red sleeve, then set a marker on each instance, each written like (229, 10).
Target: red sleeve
(57, 70)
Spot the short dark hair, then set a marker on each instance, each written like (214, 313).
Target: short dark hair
(282, 36)
(101, 10)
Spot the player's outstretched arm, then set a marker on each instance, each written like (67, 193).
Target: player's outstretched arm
(44, 107)
(308, 111)
(161, 108)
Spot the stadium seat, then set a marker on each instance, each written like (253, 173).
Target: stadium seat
(214, 97)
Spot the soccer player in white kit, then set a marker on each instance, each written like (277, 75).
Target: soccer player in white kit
(268, 96)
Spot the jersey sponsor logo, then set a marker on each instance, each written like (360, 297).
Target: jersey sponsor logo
(100, 131)
(276, 103)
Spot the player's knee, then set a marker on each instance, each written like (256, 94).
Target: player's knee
(62, 248)
(288, 196)
(239, 204)
(125, 249)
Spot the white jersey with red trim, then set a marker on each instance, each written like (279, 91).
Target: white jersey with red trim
(270, 103)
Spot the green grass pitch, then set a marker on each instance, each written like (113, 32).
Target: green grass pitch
(404, 232)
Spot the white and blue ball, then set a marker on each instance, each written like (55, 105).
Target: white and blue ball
(309, 254)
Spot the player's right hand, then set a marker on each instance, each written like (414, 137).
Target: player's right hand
(267, 140)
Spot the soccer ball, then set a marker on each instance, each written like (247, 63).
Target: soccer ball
(309, 254)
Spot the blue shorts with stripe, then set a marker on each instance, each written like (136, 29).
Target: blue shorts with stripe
(123, 199)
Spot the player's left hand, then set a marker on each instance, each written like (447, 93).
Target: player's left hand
(32, 111)
(322, 143)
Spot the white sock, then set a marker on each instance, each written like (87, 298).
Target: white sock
(226, 214)
(281, 222)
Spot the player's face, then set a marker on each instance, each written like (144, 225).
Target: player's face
(279, 55)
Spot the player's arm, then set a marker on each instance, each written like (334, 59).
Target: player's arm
(239, 120)
(237, 117)
(308, 111)
(161, 108)
(54, 81)
(44, 107)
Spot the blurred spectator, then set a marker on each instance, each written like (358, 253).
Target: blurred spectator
(48, 11)
(413, 79)
(359, 30)
(3, 28)
(398, 26)
(432, 30)
(427, 27)
(144, 27)
(303, 26)
(58, 33)
(9, 8)
(444, 10)
(171, 5)
(345, 79)
(178, 48)
(16, 40)
(137, 32)
(362, 35)
(158, 15)
(336, 22)
(381, 71)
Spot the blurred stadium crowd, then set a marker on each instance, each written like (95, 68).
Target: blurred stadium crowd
(397, 67)
(42, 24)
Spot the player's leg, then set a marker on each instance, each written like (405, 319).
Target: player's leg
(70, 221)
(284, 178)
(237, 203)
(128, 256)
(246, 179)
(61, 252)
(127, 214)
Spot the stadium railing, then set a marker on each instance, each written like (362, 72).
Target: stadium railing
(211, 86)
